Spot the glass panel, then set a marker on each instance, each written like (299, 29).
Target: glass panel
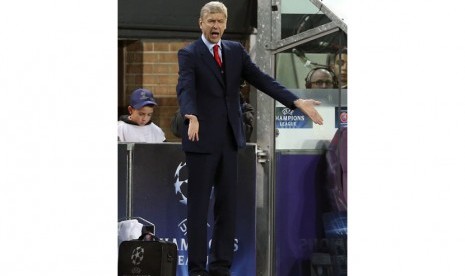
(338, 7)
(310, 199)
(295, 131)
(313, 70)
(300, 15)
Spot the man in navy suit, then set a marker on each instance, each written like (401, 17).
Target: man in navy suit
(208, 94)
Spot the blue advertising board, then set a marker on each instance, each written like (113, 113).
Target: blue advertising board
(288, 118)
(159, 195)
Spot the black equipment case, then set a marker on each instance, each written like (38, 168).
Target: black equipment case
(148, 258)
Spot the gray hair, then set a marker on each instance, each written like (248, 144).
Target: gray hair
(214, 7)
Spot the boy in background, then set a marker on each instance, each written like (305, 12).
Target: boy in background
(137, 127)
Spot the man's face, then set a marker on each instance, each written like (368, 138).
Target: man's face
(321, 78)
(213, 26)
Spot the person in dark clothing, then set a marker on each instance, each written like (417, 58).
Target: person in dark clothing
(211, 71)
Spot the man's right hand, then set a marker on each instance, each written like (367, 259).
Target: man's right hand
(193, 130)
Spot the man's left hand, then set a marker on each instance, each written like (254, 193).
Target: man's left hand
(308, 107)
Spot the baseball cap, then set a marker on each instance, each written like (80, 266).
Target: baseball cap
(142, 97)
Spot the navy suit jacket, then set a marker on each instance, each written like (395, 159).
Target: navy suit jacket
(212, 93)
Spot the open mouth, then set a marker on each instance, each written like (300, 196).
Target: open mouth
(215, 34)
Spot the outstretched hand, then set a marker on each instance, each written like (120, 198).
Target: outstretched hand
(193, 130)
(308, 107)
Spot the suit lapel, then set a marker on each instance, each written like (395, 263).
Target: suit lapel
(210, 62)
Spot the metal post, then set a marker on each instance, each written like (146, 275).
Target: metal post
(129, 187)
(265, 140)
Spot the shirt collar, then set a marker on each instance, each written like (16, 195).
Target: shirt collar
(209, 44)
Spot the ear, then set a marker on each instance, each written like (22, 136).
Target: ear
(200, 23)
(130, 109)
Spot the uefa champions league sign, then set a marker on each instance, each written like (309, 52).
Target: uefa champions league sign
(288, 118)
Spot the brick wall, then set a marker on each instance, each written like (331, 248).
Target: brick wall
(151, 64)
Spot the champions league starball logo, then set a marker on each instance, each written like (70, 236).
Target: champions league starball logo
(181, 181)
(180, 184)
(137, 255)
(287, 111)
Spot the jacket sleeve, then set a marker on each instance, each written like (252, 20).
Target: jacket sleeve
(185, 88)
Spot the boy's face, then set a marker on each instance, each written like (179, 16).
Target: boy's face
(141, 116)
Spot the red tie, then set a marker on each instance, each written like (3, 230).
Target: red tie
(216, 55)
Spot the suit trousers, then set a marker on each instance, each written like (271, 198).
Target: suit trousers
(217, 170)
